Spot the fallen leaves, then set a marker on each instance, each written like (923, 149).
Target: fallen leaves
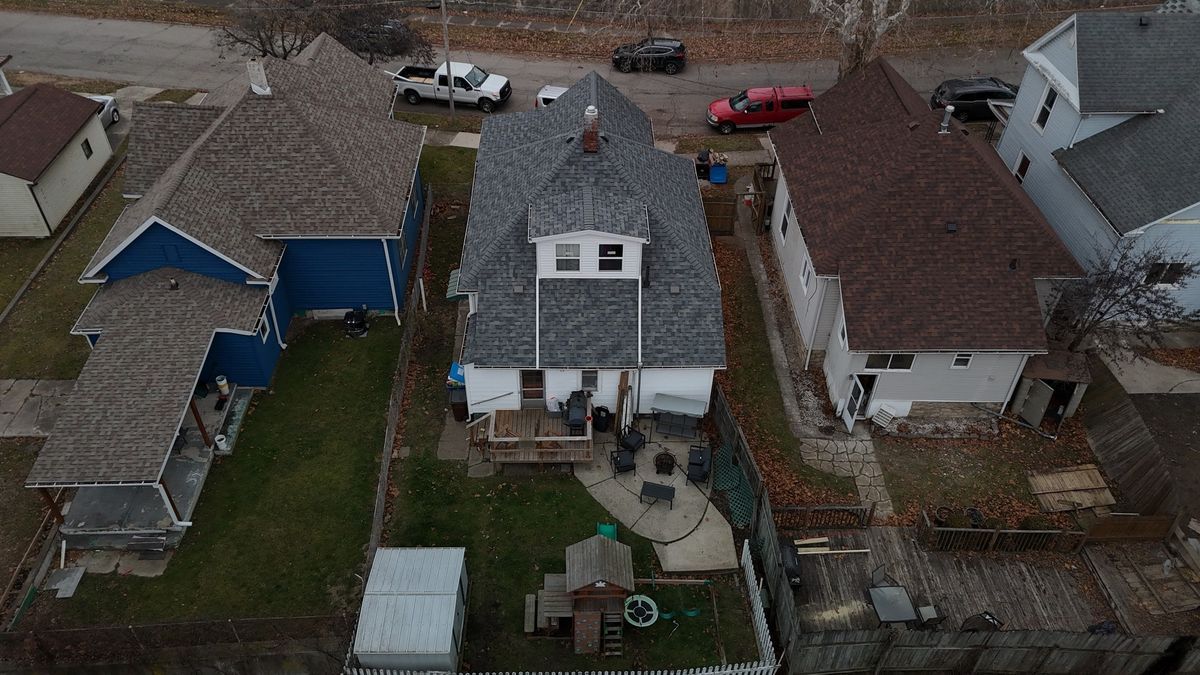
(1187, 358)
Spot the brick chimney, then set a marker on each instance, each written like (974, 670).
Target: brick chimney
(591, 129)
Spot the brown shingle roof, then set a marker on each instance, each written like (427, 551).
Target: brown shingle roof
(36, 123)
(119, 422)
(161, 133)
(285, 164)
(874, 185)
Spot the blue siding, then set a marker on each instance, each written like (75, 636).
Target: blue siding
(335, 274)
(283, 306)
(245, 359)
(92, 338)
(160, 247)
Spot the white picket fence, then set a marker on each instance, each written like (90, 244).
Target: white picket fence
(766, 650)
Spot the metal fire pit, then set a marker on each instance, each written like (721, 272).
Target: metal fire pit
(664, 463)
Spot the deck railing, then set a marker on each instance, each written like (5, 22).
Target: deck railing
(939, 538)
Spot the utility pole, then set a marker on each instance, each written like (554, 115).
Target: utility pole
(446, 44)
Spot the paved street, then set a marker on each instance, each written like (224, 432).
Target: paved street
(169, 55)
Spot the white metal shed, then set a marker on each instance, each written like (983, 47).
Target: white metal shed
(413, 610)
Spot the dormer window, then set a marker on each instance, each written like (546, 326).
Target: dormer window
(611, 256)
(566, 257)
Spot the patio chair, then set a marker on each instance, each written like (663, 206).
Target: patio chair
(879, 577)
(632, 439)
(622, 461)
(699, 464)
(931, 617)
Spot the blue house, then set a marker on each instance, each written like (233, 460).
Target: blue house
(290, 192)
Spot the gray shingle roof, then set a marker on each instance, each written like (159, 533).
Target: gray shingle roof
(1143, 169)
(599, 559)
(588, 323)
(119, 422)
(531, 170)
(292, 163)
(1126, 67)
(609, 212)
(161, 133)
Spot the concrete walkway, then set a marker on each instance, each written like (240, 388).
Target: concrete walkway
(841, 454)
(29, 408)
(1144, 376)
(700, 539)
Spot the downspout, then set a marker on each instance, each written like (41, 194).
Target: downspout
(637, 408)
(1013, 387)
(537, 325)
(275, 318)
(387, 257)
(816, 322)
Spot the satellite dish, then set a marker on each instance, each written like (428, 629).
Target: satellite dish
(640, 611)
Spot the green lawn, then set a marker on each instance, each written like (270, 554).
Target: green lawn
(438, 120)
(282, 525)
(18, 257)
(35, 340)
(449, 170)
(20, 508)
(753, 387)
(517, 529)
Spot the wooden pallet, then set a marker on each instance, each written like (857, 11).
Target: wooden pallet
(1070, 488)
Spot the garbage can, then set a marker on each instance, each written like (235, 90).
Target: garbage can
(458, 403)
(601, 418)
(718, 174)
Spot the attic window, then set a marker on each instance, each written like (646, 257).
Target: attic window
(611, 256)
(566, 257)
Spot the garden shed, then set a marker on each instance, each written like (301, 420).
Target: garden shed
(413, 610)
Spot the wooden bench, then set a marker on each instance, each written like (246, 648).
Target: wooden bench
(530, 612)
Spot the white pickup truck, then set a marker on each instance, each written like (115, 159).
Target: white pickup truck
(472, 85)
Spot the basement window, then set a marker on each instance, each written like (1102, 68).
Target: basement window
(566, 257)
(611, 256)
(961, 361)
(1165, 274)
(87, 149)
(890, 361)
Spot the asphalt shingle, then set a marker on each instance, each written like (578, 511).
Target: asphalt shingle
(1128, 67)
(36, 123)
(160, 134)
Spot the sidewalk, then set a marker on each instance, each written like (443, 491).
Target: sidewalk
(29, 408)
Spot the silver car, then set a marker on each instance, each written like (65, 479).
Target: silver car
(109, 114)
(547, 95)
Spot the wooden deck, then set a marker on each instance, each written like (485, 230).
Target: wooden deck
(533, 437)
(1139, 586)
(1022, 593)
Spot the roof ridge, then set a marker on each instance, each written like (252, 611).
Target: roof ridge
(178, 169)
(23, 97)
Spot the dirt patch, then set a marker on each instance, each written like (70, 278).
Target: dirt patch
(988, 474)
(1187, 358)
(20, 508)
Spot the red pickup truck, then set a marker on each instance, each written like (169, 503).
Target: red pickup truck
(759, 108)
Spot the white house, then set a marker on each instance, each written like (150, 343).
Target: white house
(587, 263)
(918, 272)
(53, 147)
(1105, 137)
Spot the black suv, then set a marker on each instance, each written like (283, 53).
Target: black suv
(970, 96)
(665, 54)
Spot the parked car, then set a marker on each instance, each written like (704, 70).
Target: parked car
(109, 114)
(472, 85)
(547, 95)
(970, 96)
(759, 107)
(656, 53)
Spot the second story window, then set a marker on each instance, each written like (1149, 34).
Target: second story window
(1165, 273)
(611, 256)
(1022, 167)
(566, 257)
(1043, 112)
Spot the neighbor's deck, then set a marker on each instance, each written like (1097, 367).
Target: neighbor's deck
(1024, 594)
(533, 436)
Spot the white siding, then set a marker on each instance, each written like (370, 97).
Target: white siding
(1189, 215)
(838, 365)
(589, 252)
(1090, 125)
(1183, 238)
(19, 215)
(560, 384)
(64, 181)
(1080, 226)
(694, 383)
(809, 309)
(491, 389)
(1060, 52)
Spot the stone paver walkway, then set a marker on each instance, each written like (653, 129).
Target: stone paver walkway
(853, 458)
(29, 408)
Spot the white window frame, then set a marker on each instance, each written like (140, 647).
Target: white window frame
(1166, 268)
(600, 258)
(560, 257)
(264, 328)
(784, 222)
(842, 336)
(583, 378)
(1017, 173)
(805, 275)
(957, 357)
(86, 146)
(1042, 106)
(889, 368)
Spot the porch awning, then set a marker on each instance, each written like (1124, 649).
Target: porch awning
(119, 423)
(678, 405)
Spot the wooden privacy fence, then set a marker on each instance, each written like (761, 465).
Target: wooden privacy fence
(884, 651)
(988, 539)
(730, 669)
(721, 213)
(1126, 528)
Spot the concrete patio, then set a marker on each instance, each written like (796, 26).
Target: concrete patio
(689, 535)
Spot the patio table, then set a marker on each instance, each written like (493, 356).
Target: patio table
(892, 604)
(657, 491)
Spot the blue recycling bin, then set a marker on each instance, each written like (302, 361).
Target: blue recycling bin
(718, 174)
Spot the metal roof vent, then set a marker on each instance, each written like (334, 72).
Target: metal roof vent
(675, 289)
(1012, 264)
(951, 227)
(945, 128)
(518, 288)
(913, 124)
(1143, 21)
(172, 284)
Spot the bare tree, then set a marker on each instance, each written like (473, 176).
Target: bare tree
(859, 25)
(1131, 298)
(283, 28)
